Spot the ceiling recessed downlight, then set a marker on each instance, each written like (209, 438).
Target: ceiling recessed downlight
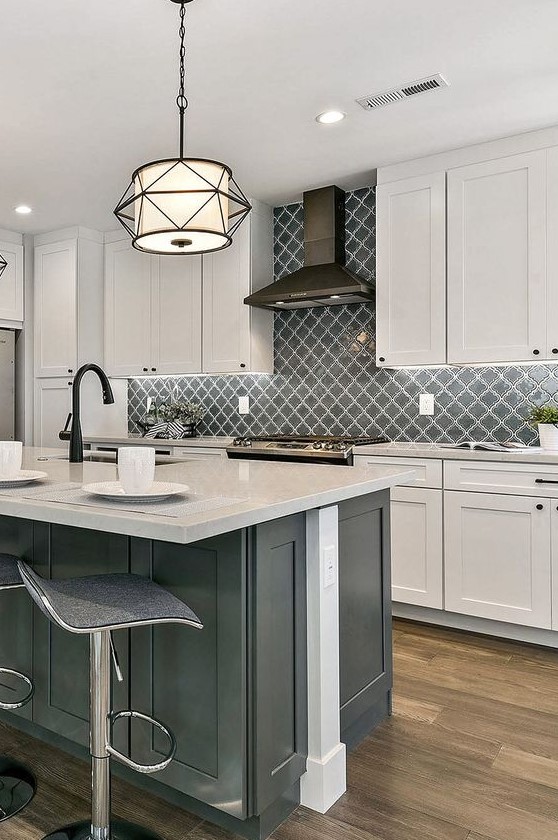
(23, 209)
(330, 117)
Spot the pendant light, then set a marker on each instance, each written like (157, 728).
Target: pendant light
(182, 205)
(3, 265)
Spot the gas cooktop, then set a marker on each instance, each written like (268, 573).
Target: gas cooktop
(308, 448)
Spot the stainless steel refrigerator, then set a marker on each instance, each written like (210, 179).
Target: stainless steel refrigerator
(7, 385)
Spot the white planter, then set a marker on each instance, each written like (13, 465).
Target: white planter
(548, 435)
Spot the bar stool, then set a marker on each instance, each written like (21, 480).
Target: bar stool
(17, 783)
(96, 605)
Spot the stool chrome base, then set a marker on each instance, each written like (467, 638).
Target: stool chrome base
(17, 787)
(118, 831)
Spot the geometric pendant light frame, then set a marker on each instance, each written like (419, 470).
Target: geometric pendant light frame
(182, 205)
(3, 265)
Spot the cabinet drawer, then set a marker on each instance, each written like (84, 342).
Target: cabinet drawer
(492, 477)
(196, 453)
(429, 471)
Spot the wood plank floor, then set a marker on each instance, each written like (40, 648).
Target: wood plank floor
(471, 753)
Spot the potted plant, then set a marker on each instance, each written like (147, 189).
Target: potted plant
(188, 415)
(545, 419)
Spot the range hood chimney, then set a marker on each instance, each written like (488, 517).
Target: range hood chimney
(324, 280)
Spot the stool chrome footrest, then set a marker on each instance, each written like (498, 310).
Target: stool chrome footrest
(18, 704)
(124, 759)
(17, 787)
(118, 831)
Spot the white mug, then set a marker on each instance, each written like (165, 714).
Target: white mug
(11, 453)
(136, 468)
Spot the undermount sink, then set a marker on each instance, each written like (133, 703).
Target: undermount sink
(110, 458)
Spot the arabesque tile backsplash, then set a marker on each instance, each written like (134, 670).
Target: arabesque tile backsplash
(326, 381)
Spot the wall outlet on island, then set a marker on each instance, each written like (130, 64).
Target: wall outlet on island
(426, 404)
(244, 405)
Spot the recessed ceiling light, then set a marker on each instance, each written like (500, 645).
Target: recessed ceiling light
(23, 209)
(330, 117)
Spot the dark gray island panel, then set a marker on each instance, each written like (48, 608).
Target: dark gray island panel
(365, 650)
(196, 682)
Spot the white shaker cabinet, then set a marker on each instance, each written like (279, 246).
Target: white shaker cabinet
(416, 546)
(11, 281)
(56, 309)
(53, 403)
(176, 316)
(498, 557)
(128, 278)
(497, 260)
(239, 338)
(68, 298)
(411, 271)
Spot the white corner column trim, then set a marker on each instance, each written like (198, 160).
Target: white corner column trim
(325, 780)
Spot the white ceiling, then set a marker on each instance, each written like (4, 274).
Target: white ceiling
(87, 91)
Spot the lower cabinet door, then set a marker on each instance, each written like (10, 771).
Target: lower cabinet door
(497, 557)
(61, 701)
(554, 540)
(195, 681)
(417, 546)
(16, 613)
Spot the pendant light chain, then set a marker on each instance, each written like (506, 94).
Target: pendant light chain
(181, 100)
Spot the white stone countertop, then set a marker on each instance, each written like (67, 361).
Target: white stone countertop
(211, 441)
(529, 455)
(267, 490)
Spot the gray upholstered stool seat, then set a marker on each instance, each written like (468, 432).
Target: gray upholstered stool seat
(10, 577)
(106, 602)
(17, 783)
(97, 605)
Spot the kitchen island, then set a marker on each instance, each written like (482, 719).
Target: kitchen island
(288, 568)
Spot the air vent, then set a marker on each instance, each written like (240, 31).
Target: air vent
(378, 100)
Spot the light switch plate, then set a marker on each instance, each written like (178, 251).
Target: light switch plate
(244, 405)
(426, 404)
(329, 560)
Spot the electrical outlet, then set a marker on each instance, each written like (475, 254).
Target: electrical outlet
(244, 405)
(329, 560)
(426, 404)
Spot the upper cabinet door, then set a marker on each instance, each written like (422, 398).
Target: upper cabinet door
(176, 316)
(497, 260)
(226, 318)
(411, 271)
(11, 283)
(56, 309)
(128, 276)
(552, 257)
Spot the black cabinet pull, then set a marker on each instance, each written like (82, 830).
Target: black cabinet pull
(540, 507)
(242, 365)
(555, 350)
(145, 370)
(381, 359)
(154, 370)
(536, 352)
(546, 481)
(70, 370)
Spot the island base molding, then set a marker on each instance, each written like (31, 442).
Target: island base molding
(473, 624)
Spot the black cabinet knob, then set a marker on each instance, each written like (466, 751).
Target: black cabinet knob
(145, 370)
(242, 365)
(154, 370)
(555, 350)
(70, 383)
(536, 352)
(540, 507)
(381, 359)
(70, 370)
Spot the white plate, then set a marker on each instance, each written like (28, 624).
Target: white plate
(114, 490)
(23, 477)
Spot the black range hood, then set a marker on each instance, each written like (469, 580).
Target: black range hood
(324, 280)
